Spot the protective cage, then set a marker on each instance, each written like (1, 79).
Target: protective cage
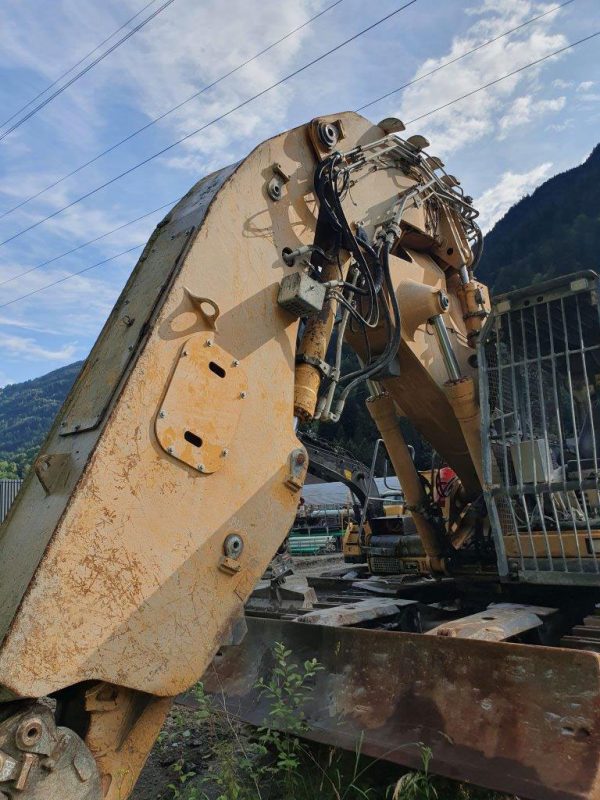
(539, 365)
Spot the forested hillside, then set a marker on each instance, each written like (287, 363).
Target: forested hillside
(26, 413)
(554, 231)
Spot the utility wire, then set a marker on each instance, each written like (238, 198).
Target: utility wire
(225, 114)
(426, 114)
(90, 241)
(85, 70)
(504, 77)
(72, 275)
(170, 111)
(81, 61)
(388, 94)
(459, 58)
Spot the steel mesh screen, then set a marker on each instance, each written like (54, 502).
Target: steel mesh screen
(539, 361)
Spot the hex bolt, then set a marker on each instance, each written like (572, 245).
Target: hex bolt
(200, 467)
(208, 343)
(225, 452)
(235, 363)
(243, 394)
(170, 450)
(162, 414)
(184, 353)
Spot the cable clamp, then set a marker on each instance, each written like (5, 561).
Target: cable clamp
(324, 368)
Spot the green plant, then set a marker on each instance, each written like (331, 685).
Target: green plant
(287, 690)
(417, 785)
(182, 788)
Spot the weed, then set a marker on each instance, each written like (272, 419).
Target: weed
(417, 785)
(181, 788)
(269, 764)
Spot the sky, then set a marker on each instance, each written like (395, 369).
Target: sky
(501, 142)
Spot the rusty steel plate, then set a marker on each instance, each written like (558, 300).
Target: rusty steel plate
(514, 718)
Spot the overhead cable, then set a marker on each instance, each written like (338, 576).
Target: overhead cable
(81, 61)
(71, 275)
(85, 244)
(84, 71)
(165, 114)
(195, 132)
(426, 114)
(504, 77)
(463, 55)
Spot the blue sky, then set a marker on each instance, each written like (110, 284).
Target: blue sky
(502, 142)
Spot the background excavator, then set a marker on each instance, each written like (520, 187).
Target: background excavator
(173, 471)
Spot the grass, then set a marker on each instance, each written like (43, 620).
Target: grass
(266, 764)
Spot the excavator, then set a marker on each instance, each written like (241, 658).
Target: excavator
(172, 474)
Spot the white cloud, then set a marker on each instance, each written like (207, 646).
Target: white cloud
(525, 109)
(585, 86)
(29, 349)
(559, 127)
(470, 120)
(511, 187)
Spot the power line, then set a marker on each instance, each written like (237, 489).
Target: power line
(460, 57)
(72, 275)
(426, 114)
(81, 60)
(269, 47)
(504, 77)
(171, 110)
(222, 116)
(85, 70)
(90, 241)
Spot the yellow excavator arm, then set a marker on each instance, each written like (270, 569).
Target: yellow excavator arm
(172, 472)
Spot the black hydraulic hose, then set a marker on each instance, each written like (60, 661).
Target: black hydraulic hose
(392, 346)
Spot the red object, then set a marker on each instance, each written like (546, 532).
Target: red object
(445, 477)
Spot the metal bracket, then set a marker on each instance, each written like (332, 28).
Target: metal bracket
(277, 182)
(53, 470)
(324, 368)
(199, 304)
(298, 467)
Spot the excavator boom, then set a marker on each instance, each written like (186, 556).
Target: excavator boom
(172, 472)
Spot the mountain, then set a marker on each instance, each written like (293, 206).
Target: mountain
(551, 232)
(554, 231)
(26, 413)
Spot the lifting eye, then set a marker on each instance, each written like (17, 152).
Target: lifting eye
(192, 438)
(218, 370)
